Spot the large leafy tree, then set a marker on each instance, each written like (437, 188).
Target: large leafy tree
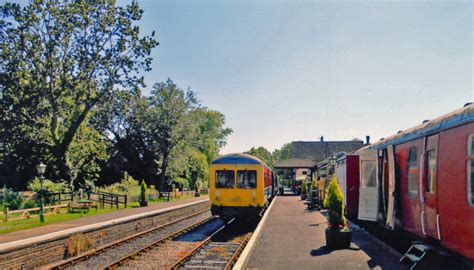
(60, 61)
(170, 125)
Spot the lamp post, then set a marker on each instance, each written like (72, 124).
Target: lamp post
(41, 168)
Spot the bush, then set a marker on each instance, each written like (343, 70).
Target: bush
(304, 187)
(182, 182)
(12, 200)
(334, 202)
(35, 185)
(143, 191)
(314, 184)
(32, 203)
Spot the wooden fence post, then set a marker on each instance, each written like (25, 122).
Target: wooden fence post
(6, 214)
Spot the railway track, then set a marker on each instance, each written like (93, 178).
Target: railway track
(117, 253)
(214, 252)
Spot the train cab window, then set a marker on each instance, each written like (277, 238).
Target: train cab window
(412, 170)
(368, 173)
(225, 179)
(246, 179)
(470, 169)
(431, 171)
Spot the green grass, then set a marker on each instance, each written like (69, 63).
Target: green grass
(17, 225)
(23, 224)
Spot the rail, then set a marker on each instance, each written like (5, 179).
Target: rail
(84, 256)
(236, 251)
(128, 257)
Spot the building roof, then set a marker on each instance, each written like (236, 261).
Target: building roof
(320, 150)
(450, 120)
(237, 158)
(295, 163)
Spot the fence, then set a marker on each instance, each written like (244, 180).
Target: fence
(105, 198)
(30, 212)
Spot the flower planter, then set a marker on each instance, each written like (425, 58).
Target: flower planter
(143, 203)
(336, 239)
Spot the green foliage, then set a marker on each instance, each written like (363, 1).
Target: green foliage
(314, 184)
(61, 60)
(304, 187)
(143, 188)
(263, 154)
(334, 202)
(12, 200)
(35, 185)
(182, 182)
(32, 203)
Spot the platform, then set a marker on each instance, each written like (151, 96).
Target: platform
(99, 218)
(293, 238)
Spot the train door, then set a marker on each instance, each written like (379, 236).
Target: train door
(368, 195)
(430, 216)
(391, 190)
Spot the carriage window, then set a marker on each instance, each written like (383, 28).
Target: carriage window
(431, 171)
(224, 179)
(246, 179)
(368, 173)
(470, 170)
(412, 170)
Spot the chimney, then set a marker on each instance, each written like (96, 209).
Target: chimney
(367, 140)
(321, 139)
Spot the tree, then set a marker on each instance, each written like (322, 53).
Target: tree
(262, 153)
(285, 152)
(170, 126)
(60, 62)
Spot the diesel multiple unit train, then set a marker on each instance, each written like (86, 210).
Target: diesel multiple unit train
(240, 186)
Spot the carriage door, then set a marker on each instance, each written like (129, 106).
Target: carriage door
(368, 191)
(430, 189)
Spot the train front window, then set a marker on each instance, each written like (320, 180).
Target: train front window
(246, 179)
(225, 179)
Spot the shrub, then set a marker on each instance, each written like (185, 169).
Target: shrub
(12, 200)
(314, 184)
(35, 185)
(143, 191)
(304, 187)
(32, 203)
(77, 244)
(334, 202)
(182, 182)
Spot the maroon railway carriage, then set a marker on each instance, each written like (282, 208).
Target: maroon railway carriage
(347, 172)
(426, 181)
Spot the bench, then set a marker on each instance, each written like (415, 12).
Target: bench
(82, 205)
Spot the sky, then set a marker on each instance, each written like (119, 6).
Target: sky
(283, 71)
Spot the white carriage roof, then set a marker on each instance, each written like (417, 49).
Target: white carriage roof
(453, 119)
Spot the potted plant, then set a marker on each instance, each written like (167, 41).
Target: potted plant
(338, 233)
(143, 201)
(304, 190)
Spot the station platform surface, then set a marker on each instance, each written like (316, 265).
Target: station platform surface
(294, 238)
(74, 223)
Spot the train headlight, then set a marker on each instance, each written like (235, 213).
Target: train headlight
(254, 195)
(217, 194)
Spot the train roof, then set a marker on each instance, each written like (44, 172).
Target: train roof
(237, 158)
(453, 119)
